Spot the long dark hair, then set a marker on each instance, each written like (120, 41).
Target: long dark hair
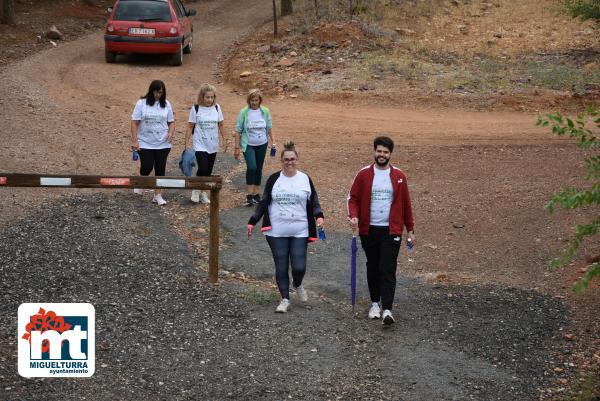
(154, 86)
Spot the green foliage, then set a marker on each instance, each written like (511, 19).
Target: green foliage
(584, 9)
(570, 197)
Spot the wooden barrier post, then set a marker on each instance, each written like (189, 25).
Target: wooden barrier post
(213, 244)
(213, 183)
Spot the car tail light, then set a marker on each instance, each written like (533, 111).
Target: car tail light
(110, 28)
(173, 30)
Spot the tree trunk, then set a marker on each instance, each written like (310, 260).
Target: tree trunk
(8, 11)
(274, 18)
(351, 9)
(286, 7)
(316, 9)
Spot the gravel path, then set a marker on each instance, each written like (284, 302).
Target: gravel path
(164, 333)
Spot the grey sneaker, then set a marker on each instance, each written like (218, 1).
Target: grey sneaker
(283, 306)
(256, 198)
(375, 311)
(302, 294)
(204, 198)
(388, 319)
(195, 196)
(249, 201)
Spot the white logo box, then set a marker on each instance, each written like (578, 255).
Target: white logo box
(53, 316)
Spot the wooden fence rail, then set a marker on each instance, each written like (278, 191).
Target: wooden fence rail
(213, 183)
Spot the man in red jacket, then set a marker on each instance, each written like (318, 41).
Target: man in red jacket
(379, 204)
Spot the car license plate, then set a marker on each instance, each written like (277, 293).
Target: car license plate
(141, 31)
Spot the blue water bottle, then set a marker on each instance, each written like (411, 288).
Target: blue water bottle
(273, 151)
(409, 245)
(135, 155)
(321, 232)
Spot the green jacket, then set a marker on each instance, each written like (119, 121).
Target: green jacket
(241, 125)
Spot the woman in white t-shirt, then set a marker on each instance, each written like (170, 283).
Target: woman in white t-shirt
(152, 128)
(205, 125)
(291, 213)
(251, 137)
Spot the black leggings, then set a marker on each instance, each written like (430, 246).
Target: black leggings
(206, 161)
(153, 159)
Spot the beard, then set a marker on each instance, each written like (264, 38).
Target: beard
(385, 162)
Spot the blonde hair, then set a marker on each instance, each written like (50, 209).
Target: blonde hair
(289, 147)
(204, 89)
(254, 93)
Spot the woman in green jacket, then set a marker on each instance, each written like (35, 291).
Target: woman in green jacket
(254, 129)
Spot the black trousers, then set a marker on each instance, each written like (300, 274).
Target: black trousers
(206, 162)
(153, 159)
(381, 250)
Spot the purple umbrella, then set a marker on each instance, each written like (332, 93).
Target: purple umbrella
(353, 270)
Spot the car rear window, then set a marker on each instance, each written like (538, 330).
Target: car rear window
(143, 11)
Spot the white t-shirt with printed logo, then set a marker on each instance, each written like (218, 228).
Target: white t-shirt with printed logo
(287, 210)
(257, 128)
(153, 129)
(206, 132)
(382, 194)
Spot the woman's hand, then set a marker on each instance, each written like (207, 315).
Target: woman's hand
(135, 145)
(237, 153)
(320, 222)
(249, 229)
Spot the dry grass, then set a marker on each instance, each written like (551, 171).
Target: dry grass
(483, 47)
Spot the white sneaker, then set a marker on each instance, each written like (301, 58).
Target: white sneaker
(195, 196)
(283, 306)
(204, 198)
(138, 191)
(388, 319)
(375, 311)
(302, 294)
(158, 199)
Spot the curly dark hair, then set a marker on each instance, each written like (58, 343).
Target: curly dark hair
(384, 141)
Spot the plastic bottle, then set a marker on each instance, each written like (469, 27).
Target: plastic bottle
(135, 155)
(409, 245)
(273, 151)
(321, 232)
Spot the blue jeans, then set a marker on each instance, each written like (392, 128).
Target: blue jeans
(288, 250)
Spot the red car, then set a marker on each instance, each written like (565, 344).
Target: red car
(149, 26)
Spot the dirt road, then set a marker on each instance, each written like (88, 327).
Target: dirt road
(478, 315)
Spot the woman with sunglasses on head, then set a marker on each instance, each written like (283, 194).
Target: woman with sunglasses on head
(290, 213)
(152, 128)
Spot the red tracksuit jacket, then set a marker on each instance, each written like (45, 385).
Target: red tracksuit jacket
(359, 201)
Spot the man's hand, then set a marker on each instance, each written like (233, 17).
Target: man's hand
(249, 229)
(353, 222)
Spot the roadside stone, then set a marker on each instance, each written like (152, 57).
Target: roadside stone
(276, 47)
(463, 29)
(328, 45)
(54, 34)
(326, 71)
(405, 31)
(245, 74)
(263, 49)
(286, 62)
